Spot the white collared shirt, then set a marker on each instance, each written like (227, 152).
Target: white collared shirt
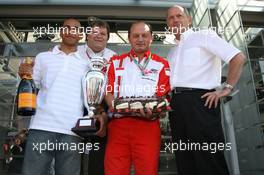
(195, 60)
(59, 101)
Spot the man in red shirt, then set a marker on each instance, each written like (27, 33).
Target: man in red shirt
(137, 73)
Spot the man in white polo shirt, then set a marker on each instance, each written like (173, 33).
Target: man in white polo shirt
(57, 74)
(195, 63)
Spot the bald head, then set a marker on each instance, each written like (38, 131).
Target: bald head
(140, 37)
(183, 9)
(178, 20)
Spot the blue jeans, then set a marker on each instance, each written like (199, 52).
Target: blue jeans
(44, 146)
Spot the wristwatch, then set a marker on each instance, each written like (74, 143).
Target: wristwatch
(225, 85)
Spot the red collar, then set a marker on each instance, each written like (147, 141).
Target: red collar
(133, 54)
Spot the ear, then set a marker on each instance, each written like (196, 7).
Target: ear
(129, 40)
(61, 33)
(151, 40)
(189, 20)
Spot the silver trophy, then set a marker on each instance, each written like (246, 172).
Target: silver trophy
(93, 84)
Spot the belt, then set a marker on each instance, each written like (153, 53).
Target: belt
(178, 90)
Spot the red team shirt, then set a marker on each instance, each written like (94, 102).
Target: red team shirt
(126, 79)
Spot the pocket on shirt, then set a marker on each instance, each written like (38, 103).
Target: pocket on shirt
(149, 83)
(192, 57)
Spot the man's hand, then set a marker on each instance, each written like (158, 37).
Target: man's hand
(25, 69)
(148, 114)
(102, 118)
(212, 98)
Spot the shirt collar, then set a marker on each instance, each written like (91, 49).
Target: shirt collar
(92, 53)
(56, 50)
(184, 35)
(133, 54)
(176, 42)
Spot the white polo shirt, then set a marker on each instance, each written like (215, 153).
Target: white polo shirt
(195, 60)
(59, 101)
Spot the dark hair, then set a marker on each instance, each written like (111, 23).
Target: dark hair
(101, 23)
(137, 22)
(70, 18)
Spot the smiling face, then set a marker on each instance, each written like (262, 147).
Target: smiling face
(97, 39)
(70, 33)
(140, 37)
(178, 20)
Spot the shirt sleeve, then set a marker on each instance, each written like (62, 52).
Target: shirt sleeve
(37, 75)
(111, 77)
(164, 81)
(219, 46)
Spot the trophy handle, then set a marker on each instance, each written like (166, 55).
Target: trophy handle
(84, 86)
(104, 88)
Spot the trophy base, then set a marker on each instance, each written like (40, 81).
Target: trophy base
(86, 127)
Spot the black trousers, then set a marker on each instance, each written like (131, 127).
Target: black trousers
(93, 163)
(192, 123)
(96, 157)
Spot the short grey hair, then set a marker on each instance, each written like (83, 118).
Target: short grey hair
(185, 10)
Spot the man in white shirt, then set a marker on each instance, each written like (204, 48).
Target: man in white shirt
(96, 46)
(195, 63)
(57, 74)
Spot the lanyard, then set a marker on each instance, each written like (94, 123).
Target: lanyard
(91, 57)
(141, 67)
(88, 54)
